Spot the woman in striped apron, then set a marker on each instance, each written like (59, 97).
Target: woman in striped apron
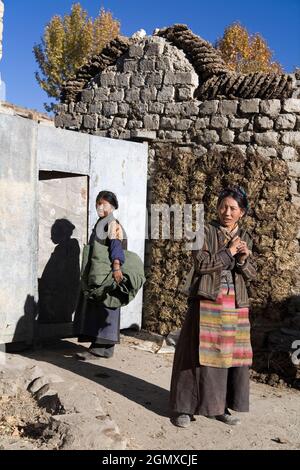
(211, 364)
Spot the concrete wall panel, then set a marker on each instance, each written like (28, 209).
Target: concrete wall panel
(18, 228)
(121, 167)
(27, 147)
(62, 150)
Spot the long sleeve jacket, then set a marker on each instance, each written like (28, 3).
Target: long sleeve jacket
(204, 279)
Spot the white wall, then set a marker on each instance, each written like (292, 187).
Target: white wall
(121, 167)
(27, 147)
(18, 227)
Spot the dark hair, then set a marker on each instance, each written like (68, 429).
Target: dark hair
(236, 192)
(109, 197)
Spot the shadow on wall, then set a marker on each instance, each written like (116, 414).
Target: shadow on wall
(59, 284)
(58, 289)
(24, 331)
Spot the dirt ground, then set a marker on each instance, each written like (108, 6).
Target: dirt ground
(22, 421)
(26, 426)
(133, 388)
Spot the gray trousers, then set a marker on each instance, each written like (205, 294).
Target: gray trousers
(100, 324)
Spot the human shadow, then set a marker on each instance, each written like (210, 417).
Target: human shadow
(60, 282)
(24, 332)
(61, 354)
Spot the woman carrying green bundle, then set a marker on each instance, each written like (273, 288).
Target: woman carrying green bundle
(101, 324)
(211, 364)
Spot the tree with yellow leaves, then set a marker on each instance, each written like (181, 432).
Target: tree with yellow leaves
(246, 53)
(66, 45)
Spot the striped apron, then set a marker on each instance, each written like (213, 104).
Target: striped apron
(224, 330)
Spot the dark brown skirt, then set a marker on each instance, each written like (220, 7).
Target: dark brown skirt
(201, 390)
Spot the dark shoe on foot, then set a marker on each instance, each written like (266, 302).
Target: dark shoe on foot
(182, 420)
(106, 351)
(227, 418)
(87, 356)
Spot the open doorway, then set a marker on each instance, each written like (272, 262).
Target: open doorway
(63, 226)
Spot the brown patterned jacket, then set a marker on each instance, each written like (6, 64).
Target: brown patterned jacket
(204, 279)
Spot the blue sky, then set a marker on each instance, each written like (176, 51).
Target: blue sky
(278, 21)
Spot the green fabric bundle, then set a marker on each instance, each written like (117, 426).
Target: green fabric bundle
(98, 282)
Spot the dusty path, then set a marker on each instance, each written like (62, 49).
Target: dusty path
(133, 389)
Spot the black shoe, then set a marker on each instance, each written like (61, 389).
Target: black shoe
(97, 351)
(106, 351)
(87, 356)
(182, 420)
(227, 418)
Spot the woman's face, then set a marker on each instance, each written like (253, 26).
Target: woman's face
(103, 208)
(229, 212)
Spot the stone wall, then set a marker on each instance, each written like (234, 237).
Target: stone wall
(151, 93)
